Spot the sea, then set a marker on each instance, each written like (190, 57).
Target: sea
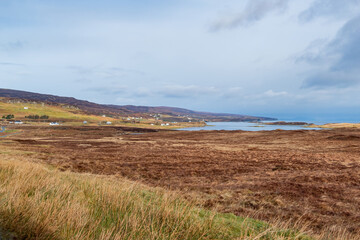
(251, 126)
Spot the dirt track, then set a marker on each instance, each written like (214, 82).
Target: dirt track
(290, 174)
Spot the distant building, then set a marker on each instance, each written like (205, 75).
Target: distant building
(85, 122)
(26, 108)
(54, 124)
(103, 115)
(108, 123)
(18, 122)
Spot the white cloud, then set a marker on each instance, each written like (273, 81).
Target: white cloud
(271, 93)
(180, 91)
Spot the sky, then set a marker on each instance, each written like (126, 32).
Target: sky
(280, 58)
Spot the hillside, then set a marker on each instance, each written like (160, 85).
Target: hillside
(86, 106)
(22, 110)
(179, 114)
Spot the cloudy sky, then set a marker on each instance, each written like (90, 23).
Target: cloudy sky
(282, 58)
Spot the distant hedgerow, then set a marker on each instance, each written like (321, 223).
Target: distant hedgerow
(37, 117)
(10, 116)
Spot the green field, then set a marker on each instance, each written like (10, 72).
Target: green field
(54, 112)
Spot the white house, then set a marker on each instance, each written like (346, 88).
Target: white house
(108, 123)
(54, 124)
(85, 122)
(18, 122)
(26, 108)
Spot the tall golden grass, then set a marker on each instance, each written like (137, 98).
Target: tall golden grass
(38, 202)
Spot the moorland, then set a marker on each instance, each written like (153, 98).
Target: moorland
(306, 175)
(139, 179)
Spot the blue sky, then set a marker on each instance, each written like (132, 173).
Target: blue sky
(284, 58)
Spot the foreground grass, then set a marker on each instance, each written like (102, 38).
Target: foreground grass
(38, 202)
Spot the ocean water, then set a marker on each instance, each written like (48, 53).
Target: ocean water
(247, 126)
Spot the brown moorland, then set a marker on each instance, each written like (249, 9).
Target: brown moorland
(306, 174)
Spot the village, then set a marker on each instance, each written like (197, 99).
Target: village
(32, 115)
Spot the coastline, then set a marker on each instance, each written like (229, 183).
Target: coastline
(249, 126)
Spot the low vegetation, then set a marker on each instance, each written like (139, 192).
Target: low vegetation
(336, 125)
(37, 117)
(39, 202)
(9, 116)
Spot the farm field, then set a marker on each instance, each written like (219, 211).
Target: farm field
(304, 175)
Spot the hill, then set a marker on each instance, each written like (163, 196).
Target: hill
(23, 110)
(175, 114)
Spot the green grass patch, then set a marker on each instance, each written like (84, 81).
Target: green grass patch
(54, 112)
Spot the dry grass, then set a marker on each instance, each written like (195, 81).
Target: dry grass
(37, 202)
(336, 125)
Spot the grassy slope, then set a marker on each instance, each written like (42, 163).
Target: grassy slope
(39, 202)
(55, 112)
